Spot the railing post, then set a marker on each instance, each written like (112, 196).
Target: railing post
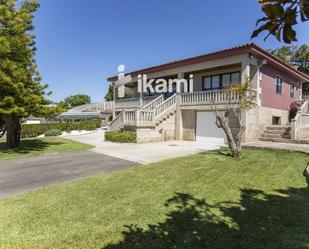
(137, 118)
(179, 124)
(293, 129)
(178, 99)
(124, 117)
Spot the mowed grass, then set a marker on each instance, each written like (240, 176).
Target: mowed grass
(42, 146)
(208, 200)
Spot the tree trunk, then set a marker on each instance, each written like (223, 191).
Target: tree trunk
(13, 129)
(234, 145)
(238, 141)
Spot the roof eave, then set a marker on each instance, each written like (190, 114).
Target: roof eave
(274, 61)
(248, 48)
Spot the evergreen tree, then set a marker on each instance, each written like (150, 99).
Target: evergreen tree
(21, 93)
(297, 56)
(109, 94)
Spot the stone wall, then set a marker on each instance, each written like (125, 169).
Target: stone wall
(189, 124)
(168, 127)
(258, 118)
(163, 131)
(303, 133)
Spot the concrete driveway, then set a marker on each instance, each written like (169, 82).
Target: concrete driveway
(143, 153)
(27, 174)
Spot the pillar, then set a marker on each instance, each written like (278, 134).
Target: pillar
(245, 75)
(179, 123)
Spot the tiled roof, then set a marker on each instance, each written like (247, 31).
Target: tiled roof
(249, 48)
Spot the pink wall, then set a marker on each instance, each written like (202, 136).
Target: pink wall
(269, 97)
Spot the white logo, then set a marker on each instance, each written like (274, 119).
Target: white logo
(146, 85)
(122, 81)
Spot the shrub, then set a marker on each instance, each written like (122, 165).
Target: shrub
(34, 130)
(53, 132)
(294, 107)
(121, 136)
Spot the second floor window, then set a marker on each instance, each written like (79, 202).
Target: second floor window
(292, 90)
(278, 84)
(220, 81)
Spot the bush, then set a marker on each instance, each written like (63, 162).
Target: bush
(294, 107)
(53, 132)
(34, 130)
(121, 136)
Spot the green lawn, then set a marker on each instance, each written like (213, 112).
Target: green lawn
(202, 201)
(34, 147)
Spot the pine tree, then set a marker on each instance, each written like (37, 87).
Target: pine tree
(109, 94)
(21, 93)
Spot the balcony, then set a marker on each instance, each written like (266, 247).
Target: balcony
(133, 103)
(208, 97)
(185, 100)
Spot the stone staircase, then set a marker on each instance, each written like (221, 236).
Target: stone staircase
(279, 134)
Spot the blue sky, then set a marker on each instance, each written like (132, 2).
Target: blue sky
(81, 42)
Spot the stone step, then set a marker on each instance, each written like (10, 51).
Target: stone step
(284, 140)
(281, 132)
(165, 117)
(278, 128)
(270, 135)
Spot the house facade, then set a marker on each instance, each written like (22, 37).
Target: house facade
(190, 115)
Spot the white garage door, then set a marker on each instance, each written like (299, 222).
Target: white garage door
(207, 130)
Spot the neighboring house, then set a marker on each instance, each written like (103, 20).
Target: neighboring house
(189, 116)
(102, 110)
(33, 120)
(37, 120)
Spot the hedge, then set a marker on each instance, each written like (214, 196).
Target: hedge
(34, 130)
(121, 136)
(53, 132)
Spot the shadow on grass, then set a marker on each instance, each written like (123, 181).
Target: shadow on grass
(258, 220)
(28, 146)
(219, 152)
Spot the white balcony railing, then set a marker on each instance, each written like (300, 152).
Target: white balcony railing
(207, 97)
(132, 103)
(148, 100)
(127, 103)
(158, 107)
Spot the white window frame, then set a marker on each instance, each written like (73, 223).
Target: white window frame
(279, 77)
(294, 85)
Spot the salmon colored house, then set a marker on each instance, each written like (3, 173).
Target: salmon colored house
(189, 116)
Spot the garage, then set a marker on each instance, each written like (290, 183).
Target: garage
(207, 130)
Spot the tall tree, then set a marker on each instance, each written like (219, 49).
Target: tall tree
(109, 94)
(77, 99)
(302, 58)
(295, 55)
(21, 93)
(280, 17)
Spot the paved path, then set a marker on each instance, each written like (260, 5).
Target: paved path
(143, 153)
(31, 173)
(281, 146)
